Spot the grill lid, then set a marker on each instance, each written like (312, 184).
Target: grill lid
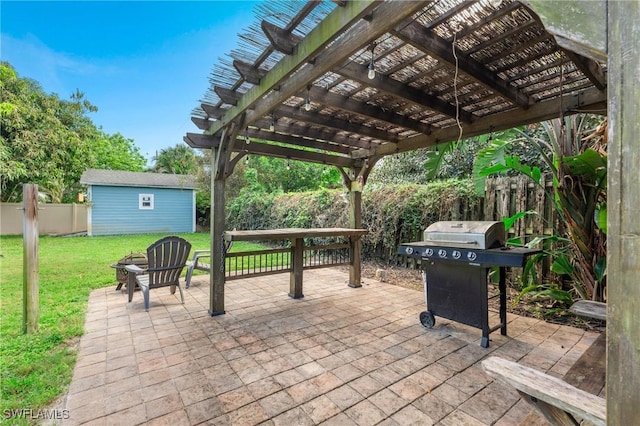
(465, 234)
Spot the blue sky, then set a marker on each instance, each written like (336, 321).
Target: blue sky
(145, 65)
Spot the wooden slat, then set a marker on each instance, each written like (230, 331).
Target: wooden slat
(590, 309)
(548, 389)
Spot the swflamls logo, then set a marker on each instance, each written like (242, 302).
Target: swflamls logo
(28, 413)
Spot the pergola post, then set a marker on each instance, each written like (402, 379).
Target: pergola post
(623, 204)
(355, 222)
(216, 293)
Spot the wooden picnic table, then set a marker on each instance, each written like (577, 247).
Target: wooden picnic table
(297, 236)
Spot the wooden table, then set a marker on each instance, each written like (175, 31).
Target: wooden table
(297, 236)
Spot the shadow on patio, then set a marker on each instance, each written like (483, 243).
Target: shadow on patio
(338, 356)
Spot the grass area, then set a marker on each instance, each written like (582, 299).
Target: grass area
(37, 368)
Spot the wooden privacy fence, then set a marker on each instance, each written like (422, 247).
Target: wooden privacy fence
(504, 197)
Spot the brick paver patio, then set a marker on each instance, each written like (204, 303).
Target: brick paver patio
(340, 356)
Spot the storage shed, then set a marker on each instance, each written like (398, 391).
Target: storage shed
(124, 202)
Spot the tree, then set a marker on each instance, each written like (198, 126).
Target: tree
(51, 142)
(115, 152)
(39, 137)
(180, 159)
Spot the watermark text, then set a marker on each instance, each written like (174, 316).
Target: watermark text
(28, 413)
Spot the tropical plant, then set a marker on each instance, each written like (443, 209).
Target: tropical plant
(180, 159)
(577, 162)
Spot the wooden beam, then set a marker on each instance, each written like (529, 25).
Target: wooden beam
(576, 25)
(211, 110)
(202, 123)
(346, 103)
(400, 90)
(315, 117)
(227, 96)
(281, 40)
(441, 49)
(258, 148)
(589, 68)
(248, 72)
(571, 103)
(331, 42)
(623, 202)
(297, 141)
(197, 140)
(324, 134)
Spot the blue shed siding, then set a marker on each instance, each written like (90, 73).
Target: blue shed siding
(115, 210)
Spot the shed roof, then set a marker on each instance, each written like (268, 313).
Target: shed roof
(139, 179)
(297, 86)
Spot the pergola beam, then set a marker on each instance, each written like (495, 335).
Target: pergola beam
(195, 140)
(588, 100)
(400, 90)
(576, 25)
(348, 105)
(315, 117)
(277, 151)
(441, 49)
(248, 72)
(332, 26)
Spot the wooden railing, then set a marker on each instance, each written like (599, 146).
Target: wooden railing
(278, 260)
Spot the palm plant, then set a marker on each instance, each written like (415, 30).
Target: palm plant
(578, 167)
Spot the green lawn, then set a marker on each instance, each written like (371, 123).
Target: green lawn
(36, 368)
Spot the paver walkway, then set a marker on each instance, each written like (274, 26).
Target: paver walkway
(340, 356)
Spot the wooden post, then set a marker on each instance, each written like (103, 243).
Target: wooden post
(355, 243)
(30, 263)
(623, 202)
(297, 266)
(216, 292)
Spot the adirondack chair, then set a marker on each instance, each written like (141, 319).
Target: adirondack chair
(197, 262)
(167, 257)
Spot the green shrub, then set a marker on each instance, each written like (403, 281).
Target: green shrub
(392, 213)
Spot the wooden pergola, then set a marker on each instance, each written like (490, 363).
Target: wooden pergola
(345, 83)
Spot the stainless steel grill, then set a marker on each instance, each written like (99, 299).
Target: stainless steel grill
(456, 258)
(478, 235)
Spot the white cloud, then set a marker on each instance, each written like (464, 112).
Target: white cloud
(53, 70)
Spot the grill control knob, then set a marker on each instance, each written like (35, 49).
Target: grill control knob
(442, 253)
(456, 254)
(471, 256)
(409, 250)
(428, 252)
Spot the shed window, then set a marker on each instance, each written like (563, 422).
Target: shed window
(145, 201)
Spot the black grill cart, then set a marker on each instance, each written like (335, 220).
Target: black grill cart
(456, 258)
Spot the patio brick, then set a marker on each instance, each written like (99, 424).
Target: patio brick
(340, 356)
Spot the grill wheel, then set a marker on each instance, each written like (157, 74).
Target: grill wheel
(427, 319)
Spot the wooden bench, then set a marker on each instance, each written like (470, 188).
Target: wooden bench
(560, 402)
(590, 309)
(577, 394)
